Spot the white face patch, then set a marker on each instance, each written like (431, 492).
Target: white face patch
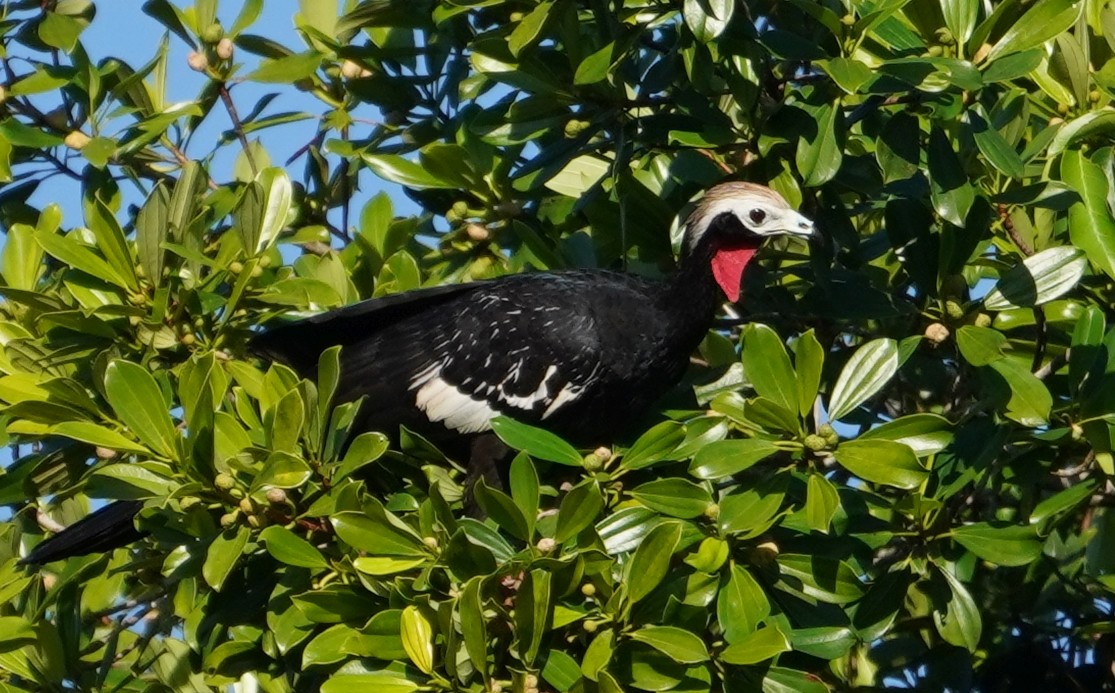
(761, 210)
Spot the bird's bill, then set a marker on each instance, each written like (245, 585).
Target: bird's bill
(797, 224)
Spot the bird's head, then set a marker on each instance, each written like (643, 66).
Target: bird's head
(731, 222)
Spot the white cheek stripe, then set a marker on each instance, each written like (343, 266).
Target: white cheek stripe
(566, 394)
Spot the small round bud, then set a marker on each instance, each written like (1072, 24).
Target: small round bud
(954, 310)
(590, 626)
(530, 681)
(592, 463)
(105, 453)
(603, 452)
(848, 20)
(188, 502)
(1094, 95)
(76, 139)
(229, 519)
(224, 481)
(935, 51)
(247, 505)
(516, 16)
(588, 589)
(276, 496)
(212, 33)
(575, 127)
(712, 511)
(197, 61)
(430, 542)
(1056, 120)
(225, 49)
(477, 233)
(235, 267)
(945, 36)
(826, 430)
(495, 686)
(937, 333)
(187, 340)
(815, 442)
(134, 320)
(265, 261)
(546, 545)
(983, 320)
(1063, 108)
(257, 272)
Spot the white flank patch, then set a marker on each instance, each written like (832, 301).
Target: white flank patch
(445, 403)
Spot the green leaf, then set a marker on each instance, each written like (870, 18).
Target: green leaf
(725, 458)
(817, 577)
(535, 442)
(502, 510)
(376, 534)
(959, 623)
(960, 17)
(139, 403)
(818, 158)
(926, 434)
(1042, 21)
(673, 497)
(656, 445)
(759, 646)
(94, 434)
(289, 548)
(651, 561)
(128, 481)
(579, 509)
(950, 190)
(1039, 279)
(867, 372)
(380, 682)
(595, 66)
(525, 488)
(741, 605)
(995, 148)
(821, 503)
(881, 462)
(1091, 226)
(767, 366)
(399, 170)
(287, 69)
(707, 19)
(1030, 401)
(529, 28)
(809, 360)
(1000, 543)
(223, 554)
(980, 345)
(533, 613)
(70, 251)
(470, 609)
(282, 470)
(676, 643)
(417, 632)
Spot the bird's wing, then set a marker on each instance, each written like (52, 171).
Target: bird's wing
(299, 344)
(503, 352)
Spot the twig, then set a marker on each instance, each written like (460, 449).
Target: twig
(237, 126)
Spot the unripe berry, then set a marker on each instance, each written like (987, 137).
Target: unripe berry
(477, 233)
(224, 481)
(212, 33)
(575, 127)
(712, 511)
(588, 589)
(983, 320)
(76, 139)
(229, 519)
(430, 542)
(546, 544)
(276, 496)
(815, 442)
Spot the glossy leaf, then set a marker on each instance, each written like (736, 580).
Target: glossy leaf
(868, 371)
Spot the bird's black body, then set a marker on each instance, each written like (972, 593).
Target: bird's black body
(581, 353)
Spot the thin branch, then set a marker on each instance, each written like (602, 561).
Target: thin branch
(237, 126)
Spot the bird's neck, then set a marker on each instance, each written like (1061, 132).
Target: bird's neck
(705, 277)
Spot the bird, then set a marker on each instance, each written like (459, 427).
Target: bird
(581, 353)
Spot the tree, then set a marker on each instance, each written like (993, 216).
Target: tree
(895, 474)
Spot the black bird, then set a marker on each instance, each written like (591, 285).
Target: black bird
(579, 352)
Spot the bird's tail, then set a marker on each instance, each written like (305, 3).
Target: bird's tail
(106, 529)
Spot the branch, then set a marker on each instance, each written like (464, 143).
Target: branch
(237, 126)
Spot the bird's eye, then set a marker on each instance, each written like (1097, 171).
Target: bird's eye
(757, 215)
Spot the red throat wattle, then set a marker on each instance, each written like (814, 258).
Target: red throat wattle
(727, 267)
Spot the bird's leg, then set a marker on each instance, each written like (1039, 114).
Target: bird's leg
(490, 460)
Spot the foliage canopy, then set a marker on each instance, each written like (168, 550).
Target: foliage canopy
(915, 491)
